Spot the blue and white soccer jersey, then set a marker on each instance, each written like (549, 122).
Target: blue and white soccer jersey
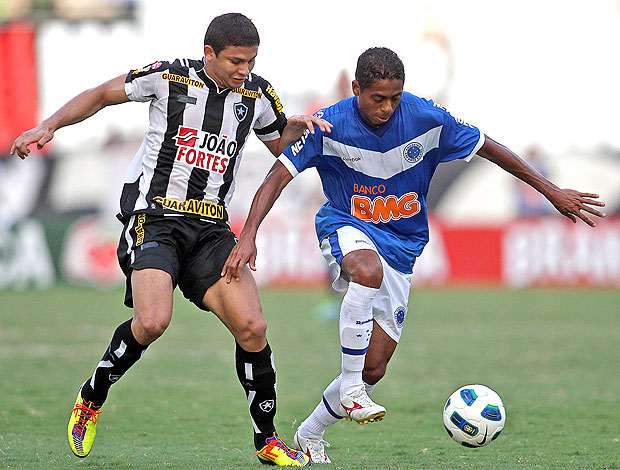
(376, 178)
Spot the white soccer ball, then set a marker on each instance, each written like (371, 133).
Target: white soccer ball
(474, 415)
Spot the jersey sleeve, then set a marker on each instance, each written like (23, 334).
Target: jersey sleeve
(272, 121)
(459, 139)
(304, 153)
(141, 84)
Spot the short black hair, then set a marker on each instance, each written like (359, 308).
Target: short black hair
(231, 29)
(378, 63)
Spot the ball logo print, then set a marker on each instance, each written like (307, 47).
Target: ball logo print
(472, 414)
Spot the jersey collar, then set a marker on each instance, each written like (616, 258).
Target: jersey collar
(202, 73)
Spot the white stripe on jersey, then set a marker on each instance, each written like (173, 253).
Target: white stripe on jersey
(392, 161)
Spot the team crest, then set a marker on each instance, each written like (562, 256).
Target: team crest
(399, 316)
(413, 152)
(241, 111)
(266, 405)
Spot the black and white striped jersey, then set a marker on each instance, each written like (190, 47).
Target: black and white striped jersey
(197, 131)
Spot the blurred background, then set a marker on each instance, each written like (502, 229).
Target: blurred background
(538, 76)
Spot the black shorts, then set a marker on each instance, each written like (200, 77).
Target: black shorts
(192, 251)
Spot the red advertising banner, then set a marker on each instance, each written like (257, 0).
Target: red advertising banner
(521, 253)
(19, 97)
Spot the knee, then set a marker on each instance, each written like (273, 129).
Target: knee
(147, 328)
(364, 269)
(252, 335)
(373, 372)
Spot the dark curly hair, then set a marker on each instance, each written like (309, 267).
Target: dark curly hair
(231, 29)
(378, 63)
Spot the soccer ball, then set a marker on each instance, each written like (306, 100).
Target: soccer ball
(474, 415)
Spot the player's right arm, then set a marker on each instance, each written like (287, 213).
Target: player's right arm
(244, 251)
(77, 109)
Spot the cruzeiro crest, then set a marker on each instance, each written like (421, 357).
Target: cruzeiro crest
(399, 316)
(413, 152)
(241, 111)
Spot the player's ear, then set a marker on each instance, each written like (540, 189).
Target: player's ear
(355, 86)
(210, 53)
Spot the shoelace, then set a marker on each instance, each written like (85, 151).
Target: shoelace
(317, 446)
(279, 443)
(87, 413)
(362, 398)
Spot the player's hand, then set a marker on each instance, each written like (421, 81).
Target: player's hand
(243, 253)
(303, 122)
(573, 204)
(41, 134)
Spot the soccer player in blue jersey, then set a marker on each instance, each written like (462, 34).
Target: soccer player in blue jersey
(375, 167)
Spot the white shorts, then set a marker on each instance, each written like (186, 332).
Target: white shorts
(389, 308)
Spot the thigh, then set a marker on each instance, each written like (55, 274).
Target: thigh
(152, 296)
(148, 242)
(237, 305)
(202, 266)
(343, 242)
(389, 309)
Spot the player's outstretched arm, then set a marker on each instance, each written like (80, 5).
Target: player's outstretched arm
(295, 127)
(244, 251)
(568, 202)
(77, 109)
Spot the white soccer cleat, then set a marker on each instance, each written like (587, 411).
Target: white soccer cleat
(357, 406)
(313, 447)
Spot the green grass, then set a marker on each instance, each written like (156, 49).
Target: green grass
(553, 356)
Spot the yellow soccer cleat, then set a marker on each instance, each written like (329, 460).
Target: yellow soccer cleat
(82, 426)
(276, 452)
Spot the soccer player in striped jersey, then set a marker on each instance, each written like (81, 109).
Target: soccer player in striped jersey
(376, 167)
(173, 207)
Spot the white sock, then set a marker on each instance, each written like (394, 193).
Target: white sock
(326, 412)
(369, 388)
(355, 331)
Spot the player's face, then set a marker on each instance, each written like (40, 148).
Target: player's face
(379, 101)
(231, 66)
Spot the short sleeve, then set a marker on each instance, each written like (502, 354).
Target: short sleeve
(304, 153)
(459, 139)
(272, 120)
(141, 84)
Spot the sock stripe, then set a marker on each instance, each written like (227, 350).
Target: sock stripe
(354, 352)
(121, 349)
(329, 409)
(248, 371)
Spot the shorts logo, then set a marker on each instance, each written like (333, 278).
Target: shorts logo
(266, 405)
(413, 152)
(241, 111)
(399, 316)
(140, 229)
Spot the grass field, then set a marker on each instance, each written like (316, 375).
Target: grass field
(553, 356)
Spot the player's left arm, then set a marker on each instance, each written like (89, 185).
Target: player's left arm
(244, 252)
(295, 127)
(568, 202)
